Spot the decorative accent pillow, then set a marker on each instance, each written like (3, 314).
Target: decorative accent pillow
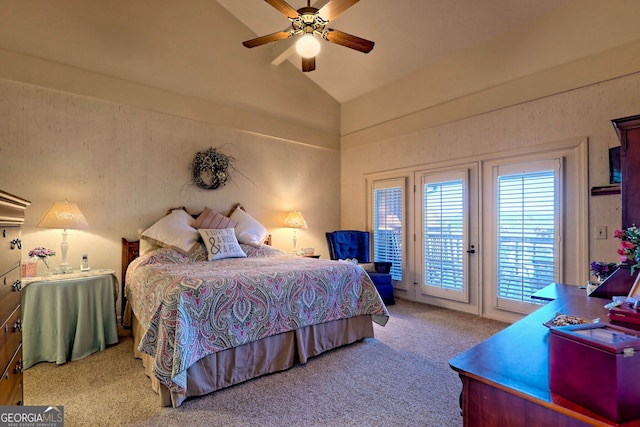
(248, 230)
(173, 231)
(212, 219)
(221, 243)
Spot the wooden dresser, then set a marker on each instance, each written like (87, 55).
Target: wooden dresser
(12, 210)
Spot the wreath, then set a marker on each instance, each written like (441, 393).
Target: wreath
(211, 169)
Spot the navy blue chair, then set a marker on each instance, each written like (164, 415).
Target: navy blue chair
(354, 244)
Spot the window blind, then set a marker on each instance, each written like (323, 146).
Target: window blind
(443, 234)
(388, 224)
(526, 243)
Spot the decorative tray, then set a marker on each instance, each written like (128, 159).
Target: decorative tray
(566, 320)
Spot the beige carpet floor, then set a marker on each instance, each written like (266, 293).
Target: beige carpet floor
(400, 378)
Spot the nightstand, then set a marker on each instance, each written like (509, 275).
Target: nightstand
(68, 316)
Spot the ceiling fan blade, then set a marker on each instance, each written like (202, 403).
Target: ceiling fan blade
(348, 40)
(335, 8)
(259, 41)
(284, 8)
(308, 64)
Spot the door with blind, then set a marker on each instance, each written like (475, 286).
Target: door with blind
(447, 234)
(526, 233)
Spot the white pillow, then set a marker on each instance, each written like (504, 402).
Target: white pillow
(248, 230)
(221, 243)
(173, 231)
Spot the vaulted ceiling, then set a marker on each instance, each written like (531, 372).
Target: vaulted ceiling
(428, 54)
(181, 45)
(408, 35)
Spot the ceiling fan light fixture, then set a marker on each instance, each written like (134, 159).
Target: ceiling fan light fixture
(308, 46)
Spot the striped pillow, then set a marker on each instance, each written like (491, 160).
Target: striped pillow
(211, 219)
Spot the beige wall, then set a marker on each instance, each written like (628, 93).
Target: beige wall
(581, 43)
(125, 165)
(562, 77)
(585, 112)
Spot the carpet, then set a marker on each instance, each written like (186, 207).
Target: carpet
(399, 378)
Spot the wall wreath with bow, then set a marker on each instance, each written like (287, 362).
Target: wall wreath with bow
(212, 168)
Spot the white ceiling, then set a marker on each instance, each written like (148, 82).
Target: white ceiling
(408, 35)
(182, 45)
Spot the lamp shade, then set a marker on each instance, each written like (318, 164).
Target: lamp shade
(295, 220)
(308, 46)
(63, 215)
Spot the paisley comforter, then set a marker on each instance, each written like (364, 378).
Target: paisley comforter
(191, 307)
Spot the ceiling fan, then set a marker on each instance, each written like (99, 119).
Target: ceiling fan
(309, 22)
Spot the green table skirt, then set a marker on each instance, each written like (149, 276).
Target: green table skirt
(67, 319)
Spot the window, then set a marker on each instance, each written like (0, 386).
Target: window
(527, 226)
(444, 234)
(388, 224)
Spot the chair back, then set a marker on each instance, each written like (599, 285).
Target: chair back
(350, 244)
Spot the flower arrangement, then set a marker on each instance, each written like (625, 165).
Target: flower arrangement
(602, 270)
(214, 165)
(629, 249)
(42, 253)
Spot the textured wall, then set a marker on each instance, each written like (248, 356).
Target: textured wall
(585, 112)
(125, 166)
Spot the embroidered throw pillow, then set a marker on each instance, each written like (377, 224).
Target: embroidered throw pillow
(212, 219)
(221, 243)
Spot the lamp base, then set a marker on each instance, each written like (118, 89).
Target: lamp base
(65, 269)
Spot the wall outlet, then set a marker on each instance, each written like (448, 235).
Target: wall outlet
(601, 231)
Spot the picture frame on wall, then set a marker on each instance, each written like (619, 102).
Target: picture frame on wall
(615, 172)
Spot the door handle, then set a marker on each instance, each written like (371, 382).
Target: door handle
(471, 250)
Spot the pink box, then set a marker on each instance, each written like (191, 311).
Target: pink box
(29, 269)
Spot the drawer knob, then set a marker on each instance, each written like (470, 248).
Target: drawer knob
(19, 367)
(16, 243)
(17, 327)
(17, 285)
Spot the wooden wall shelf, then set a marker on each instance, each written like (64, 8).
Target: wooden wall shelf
(605, 190)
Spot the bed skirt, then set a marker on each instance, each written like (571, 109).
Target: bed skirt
(268, 355)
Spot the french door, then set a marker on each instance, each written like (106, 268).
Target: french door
(526, 234)
(447, 233)
(482, 236)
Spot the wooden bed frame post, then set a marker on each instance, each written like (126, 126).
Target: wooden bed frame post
(130, 251)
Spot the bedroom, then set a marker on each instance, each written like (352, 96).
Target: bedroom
(121, 147)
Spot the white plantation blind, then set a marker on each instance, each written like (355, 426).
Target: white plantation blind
(444, 234)
(526, 231)
(388, 224)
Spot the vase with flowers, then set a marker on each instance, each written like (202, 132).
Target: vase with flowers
(621, 279)
(602, 270)
(42, 254)
(629, 249)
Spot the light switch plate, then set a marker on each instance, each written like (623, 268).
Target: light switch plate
(601, 231)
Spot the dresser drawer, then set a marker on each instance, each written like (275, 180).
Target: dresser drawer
(9, 248)
(18, 397)
(11, 381)
(10, 338)
(10, 293)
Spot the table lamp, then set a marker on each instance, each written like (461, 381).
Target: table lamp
(295, 220)
(64, 215)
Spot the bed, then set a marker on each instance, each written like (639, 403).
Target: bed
(200, 325)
